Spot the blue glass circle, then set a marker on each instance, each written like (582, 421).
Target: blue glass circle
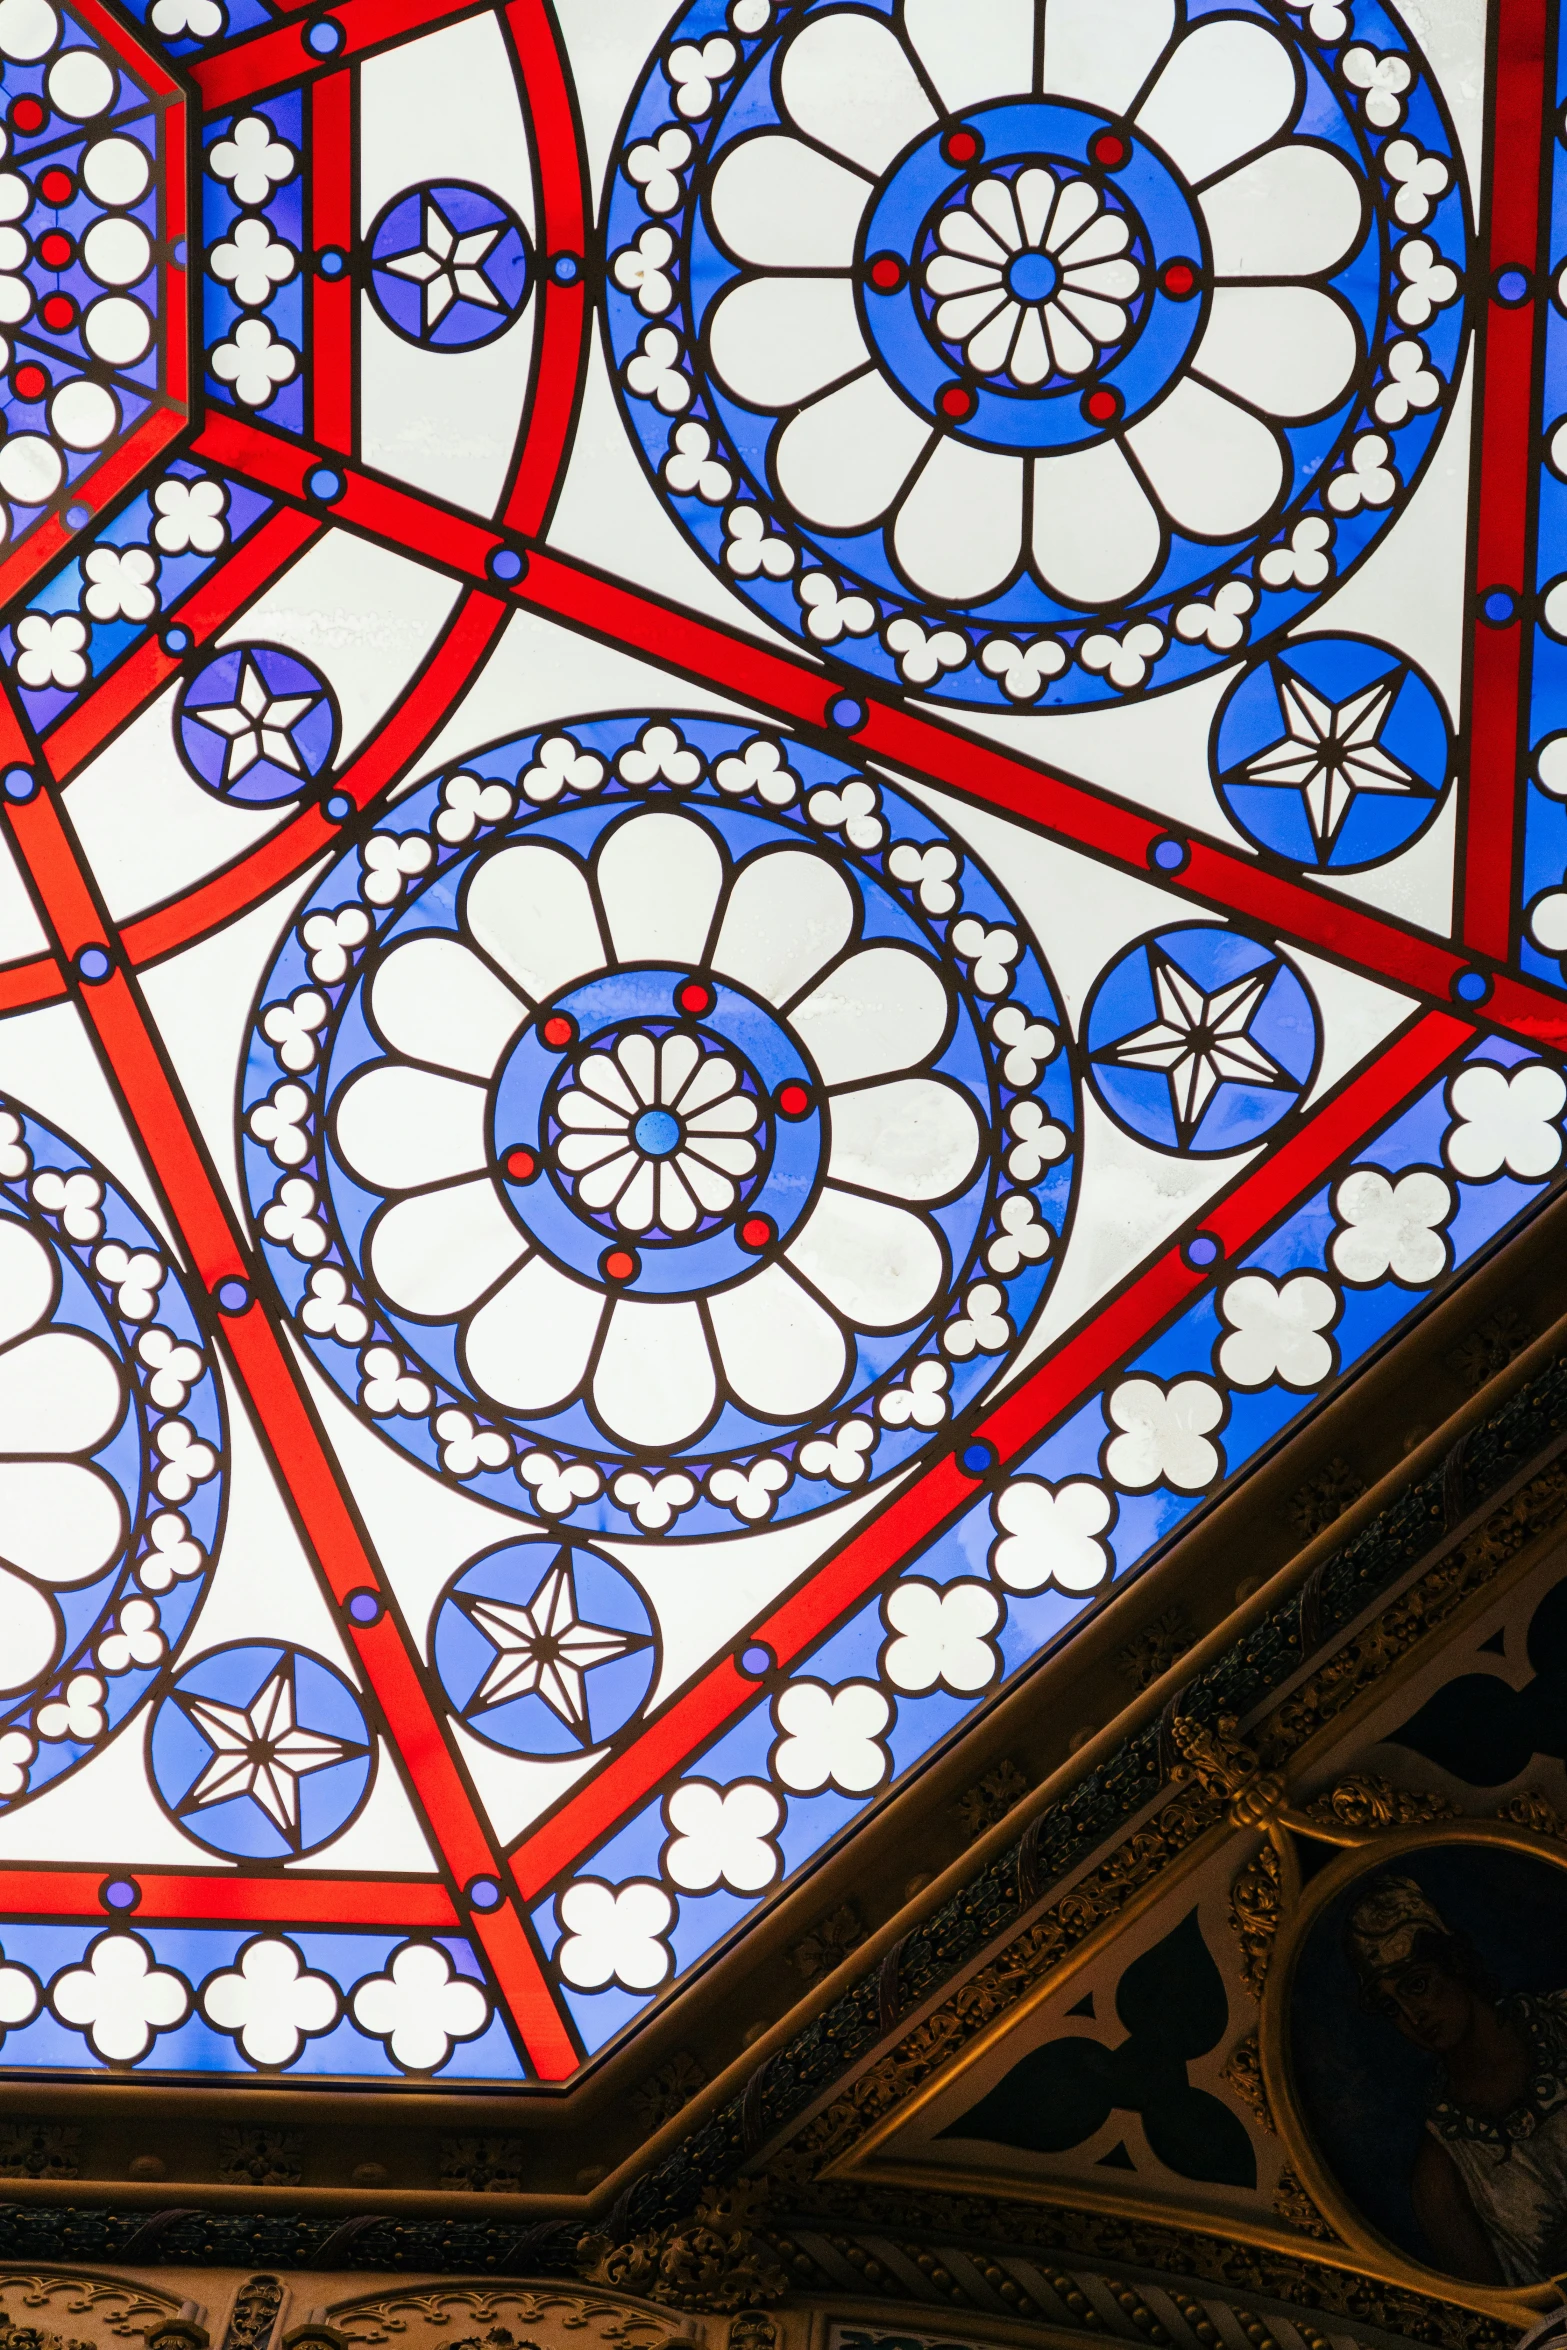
(544, 1647)
(1471, 987)
(1033, 277)
(261, 1751)
(450, 265)
(1333, 753)
(256, 725)
(1200, 1039)
(1499, 607)
(658, 1133)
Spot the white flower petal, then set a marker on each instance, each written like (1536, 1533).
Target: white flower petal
(915, 1138)
(1104, 237)
(788, 913)
(1079, 204)
(990, 348)
(992, 203)
(28, 1633)
(878, 1264)
(959, 531)
(1096, 534)
(59, 1392)
(437, 1252)
(964, 236)
(1229, 87)
(847, 81)
(782, 1352)
(60, 1520)
(960, 318)
(399, 1129)
(783, 205)
(634, 1205)
(529, 1347)
(654, 1380)
(637, 1056)
(843, 460)
(529, 909)
(26, 1279)
(433, 1000)
(1070, 347)
(1289, 350)
(973, 52)
(1290, 213)
(776, 340)
(1216, 468)
(659, 877)
(951, 273)
(881, 1010)
(1103, 51)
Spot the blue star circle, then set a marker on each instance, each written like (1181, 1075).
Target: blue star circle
(261, 1751)
(544, 1647)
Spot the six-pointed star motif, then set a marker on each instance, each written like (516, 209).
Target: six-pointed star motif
(261, 1750)
(1199, 1040)
(546, 1649)
(1330, 752)
(447, 265)
(258, 724)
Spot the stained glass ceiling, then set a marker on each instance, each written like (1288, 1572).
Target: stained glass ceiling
(784, 832)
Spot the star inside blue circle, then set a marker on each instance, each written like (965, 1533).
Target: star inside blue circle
(256, 725)
(261, 1751)
(1334, 753)
(1200, 1039)
(544, 1647)
(449, 265)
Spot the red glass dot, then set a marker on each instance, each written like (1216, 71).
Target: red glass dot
(961, 146)
(619, 1264)
(55, 249)
(1108, 150)
(1102, 406)
(31, 383)
(56, 186)
(521, 1165)
(793, 1100)
(1179, 278)
(558, 1031)
(886, 273)
(694, 997)
(756, 1232)
(58, 312)
(29, 115)
(955, 400)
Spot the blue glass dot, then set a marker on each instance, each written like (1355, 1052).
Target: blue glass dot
(565, 269)
(324, 39)
(1032, 277)
(756, 1660)
(1499, 606)
(233, 1295)
(977, 1459)
(78, 517)
(364, 1607)
(484, 1893)
(20, 783)
(339, 807)
(177, 639)
(846, 712)
(181, 253)
(120, 1893)
(1512, 285)
(506, 563)
(658, 1133)
(1471, 987)
(1201, 1249)
(325, 483)
(331, 263)
(1169, 855)
(94, 965)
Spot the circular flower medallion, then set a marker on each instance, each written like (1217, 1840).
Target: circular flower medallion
(1335, 752)
(449, 266)
(544, 1647)
(1023, 384)
(256, 725)
(1200, 1039)
(261, 1752)
(111, 1456)
(659, 1124)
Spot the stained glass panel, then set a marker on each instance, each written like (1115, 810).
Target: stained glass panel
(782, 838)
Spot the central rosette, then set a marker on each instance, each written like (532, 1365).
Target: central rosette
(1033, 276)
(654, 1129)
